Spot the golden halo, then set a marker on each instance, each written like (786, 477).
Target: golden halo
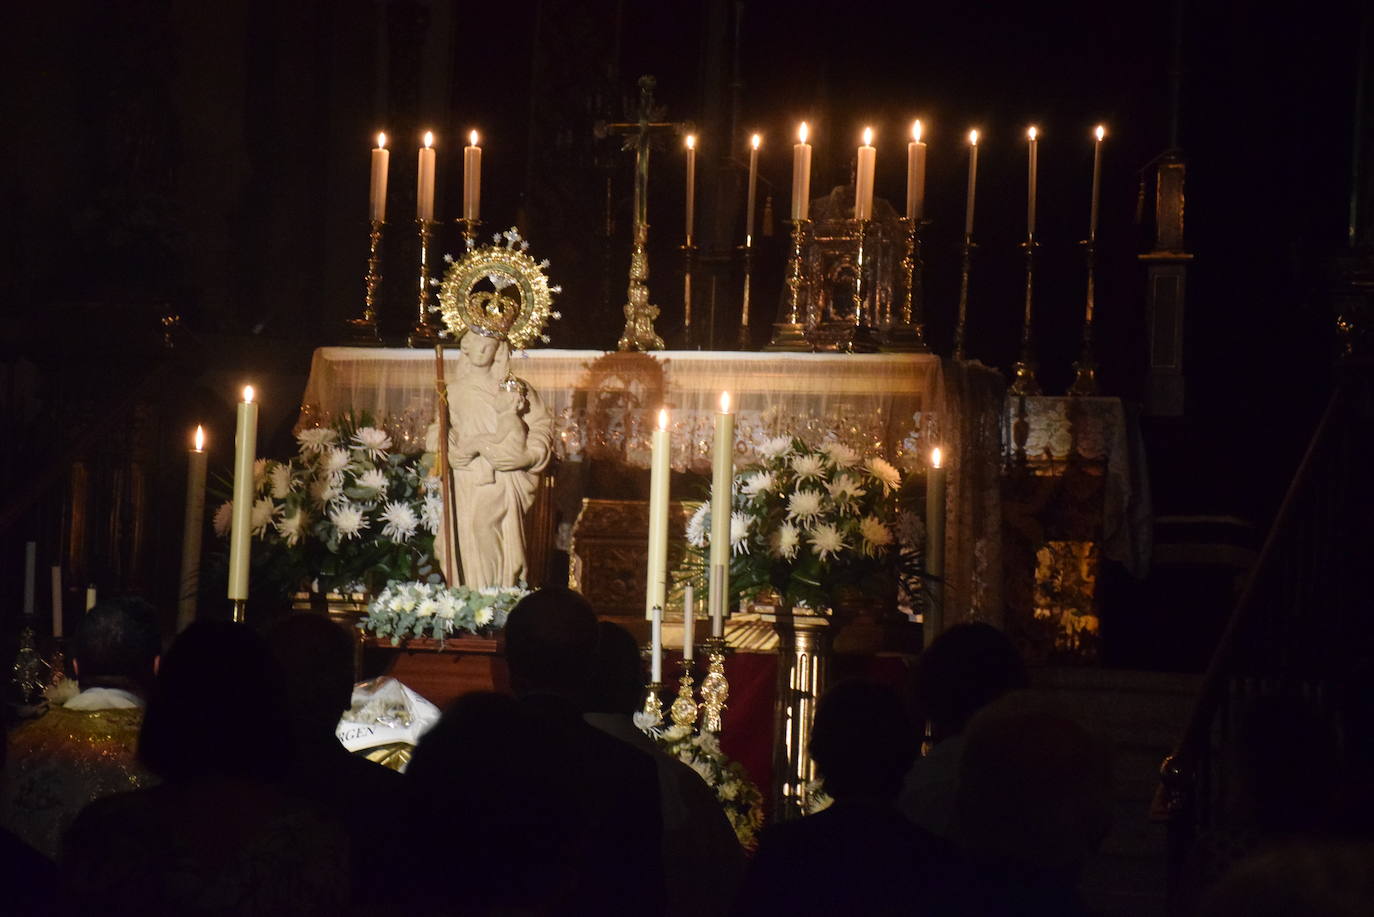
(518, 308)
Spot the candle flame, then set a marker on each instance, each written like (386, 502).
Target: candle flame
(200, 438)
(803, 132)
(973, 138)
(248, 394)
(472, 139)
(663, 418)
(1032, 134)
(935, 457)
(381, 140)
(1100, 132)
(868, 136)
(725, 402)
(755, 140)
(691, 141)
(429, 139)
(916, 130)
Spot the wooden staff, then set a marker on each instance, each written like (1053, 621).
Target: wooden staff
(449, 521)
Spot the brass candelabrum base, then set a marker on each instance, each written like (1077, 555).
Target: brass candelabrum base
(653, 705)
(363, 329)
(715, 688)
(908, 333)
(1023, 373)
(687, 340)
(789, 335)
(961, 321)
(639, 333)
(1085, 369)
(683, 712)
(424, 333)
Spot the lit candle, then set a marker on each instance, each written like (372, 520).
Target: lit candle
(935, 544)
(30, 571)
(753, 189)
(915, 174)
(472, 178)
(90, 597)
(424, 189)
(689, 622)
(722, 482)
(1033, 170)
(1097, 174)
(241, 533)
(656, 591)
(691, 185)
(57, 601)
(863, 179)
(972, 181)
(381, 159)
(801, 175)
(656, 646)
(192, 524)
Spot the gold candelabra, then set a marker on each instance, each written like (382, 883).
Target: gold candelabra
(961, 323)
(653, 706)
(424, 333)
(639, 333)
(908, 333)
(790, 333)
(715, 689)
(363, 330)
(1085, 370)
(1023, 373)
(683, 712)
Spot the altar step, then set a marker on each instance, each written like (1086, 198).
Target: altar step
(1141, 714)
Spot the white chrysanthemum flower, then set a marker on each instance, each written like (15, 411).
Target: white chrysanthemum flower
(827, 540)
(448, 605)
(224, 518)
(316, 439)
(372, 441)
(739, 533)
(803, 505)
(775, 447)
(888, 476)
(324, 491)
(784, 541)
(292, 528)
(401, 521)
(259, 473)
(264, 510)
(845, 488)
(483, 616)
(334, 461)
(840, 455)
(874, 533)
(374, 479)
(698, 526)
(426, 608)
(280, 477)
(704, 771)
(349, 519)
(808, 466)
(760, 482)
(431, 511)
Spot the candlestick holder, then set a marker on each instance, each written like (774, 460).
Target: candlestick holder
(363, 330)
(908, 333)
(1023, 373)
(715, 688)
(57, 661)
(639, 331)
(743, 341)
(28, 675)
(1085, 370)
(683, 712)
(961, 323)
(789, 335)
(689, 257)
(469, 230)
(653, 706)
(237, 610)
(425, 332)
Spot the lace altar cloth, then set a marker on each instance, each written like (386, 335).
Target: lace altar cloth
(605, 405)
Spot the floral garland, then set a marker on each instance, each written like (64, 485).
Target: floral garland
(410, 609)
(738, 796)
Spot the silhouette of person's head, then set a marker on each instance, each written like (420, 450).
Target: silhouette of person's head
(550, 642)
(963, 670)
(117, 645)
(1034, 788)
(862, 740)
(316, 657)
(618, 675)
(219, 696)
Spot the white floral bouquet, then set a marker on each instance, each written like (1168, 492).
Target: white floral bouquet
(817, 525)
(738, 796)
(414, 609)
(348, 512)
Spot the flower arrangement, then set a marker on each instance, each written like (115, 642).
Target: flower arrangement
(738, 796)
(412, 609)
(347, 513)
(814, 524)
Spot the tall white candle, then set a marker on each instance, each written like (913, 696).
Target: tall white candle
(691, 186)
(689, 622)
(722, 482)
(915, 174)
(935, 544)
(192, 524)
(90, 597)
(656, 579)
(753, 189)
(656, 646)
(801, 175)
(472, 178)
(863, 179)
(1033, 171)
(57, 601)
(1100, 132)
(381, 160)
(424, 189)
(972, 181)
(241, 532)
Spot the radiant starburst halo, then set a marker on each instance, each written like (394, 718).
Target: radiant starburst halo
(372, 441)
(349, 519)
(887, 475)
(803, 505)
(874, 533)
(518, 305)
(316, 439)
(808, 466)
(826, 540)
(401, 521)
